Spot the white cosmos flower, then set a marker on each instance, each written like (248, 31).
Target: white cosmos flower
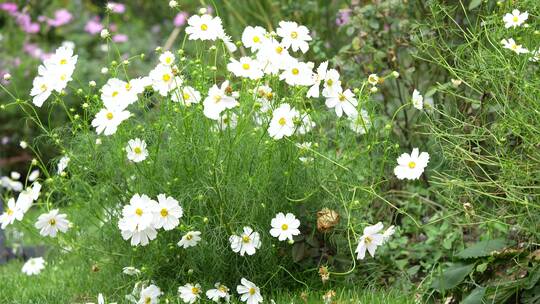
(264, 95)
(42, 88)
(294, 35)
(12, 213)
(119, 94)
(167, 58)
(227, 120)
(417, 100)
(108, 120)
(137, 234)
(248, 242)
(139, 213)
(63, 56)
(535, 55)
(204, 27)
(411, 166)
(131, 271)
(331, 81)
(373, 79)
(285, 226)
(33, 266)
(317, 79)
(297, 73)
(245, 67)
(164, 80)
(306, 124)
(62, 164)
(28, 196)
(249, 292)
(219, 99)
(190, 239)
(228, 43)
(33, 175)
(360, 123)
(515, 19)
(150, 295)
(57, 75)
(50, 223)
(282, 123)
(168, 213)
(273, 56)
(190, 293)
(219, 292)
(370, 240)
(341, 101)
(512, 45)
(186, 95)
(136, 150)
(254, 37)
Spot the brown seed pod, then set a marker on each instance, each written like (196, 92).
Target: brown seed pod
(327, 219)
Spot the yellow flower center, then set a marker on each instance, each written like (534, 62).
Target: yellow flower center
(110, 116)
(137, 150)
(52, 222)
(164, 212)
(189, 237)
(64, 61)
(295, 71)
(114, 94)
(43, 87)
(147, 300)
(246, 239)
(269, 95)
(252, 291)
(245, 66)
(282, 121)
(63, 77)
(279, 49)
(515, 19)
(9, 212)
(256, 39)
(217, 98)
(222, 288)
(294, 35)
(139, 211)
(412, 164)
(514, 46)
(128, 86)
(168, 60)
(368, 240)
(185, 96)
(284, 227)
(341, 97)
(166, 77)
(195, 290)
(204, 27)
(329, 82)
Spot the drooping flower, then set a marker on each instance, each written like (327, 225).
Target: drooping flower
(249, 292)
(248, 242)
(219, 99)
(264, 95)
(513, 46)
(168, 213)
(227, 120)
(342, 102)
(360, 123)
(219, 292)
(411, 166)
(306, 124)
(285, 226)
(417, 100)
(371, 239)
(515, 19)
(136, 150)
(50, 223)
(294, 35)
(282, 123)
(190, 293)
(62, 164)
(33, 266)
(190, 239)
(108, 120)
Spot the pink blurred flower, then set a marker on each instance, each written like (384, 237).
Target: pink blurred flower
(343, 16)
(113, 27)
(9, 7)
(61, 17)
(26, 24)
(120, 38)
(93, 26)
(33, 50)
(180, 19)
(117, 8)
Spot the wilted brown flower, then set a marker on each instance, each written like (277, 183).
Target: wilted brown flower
(327, 297)
(327, 219)
(323, 272)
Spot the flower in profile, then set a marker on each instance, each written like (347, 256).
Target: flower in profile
(50, 223)
(164, 80)
(317, 79)
(190, 239)
(249, 292)
(285, 226)
(12, 213)
(417, 100)
(512, 45)
(167, 58)
(28, 196)
(371, 239)
(360, 123)
(264, 95)
(150, 295)
(342, 102)
(108, 120)
(219, 99)
(294, 35)
(33, 266)
(515, 19)
(411, 166)
(204, 27)
(131, 271)
(186, 95)
(245, 67)
(254, 37)
(227, 120)
(190, 293)
(248, 242)
(373, 79)
(167, 213)
(62, 164)
(136, 150)
(297, 73)
(219, 292)
(535, 55)
(306, 124)
(282, 123)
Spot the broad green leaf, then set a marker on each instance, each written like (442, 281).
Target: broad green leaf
(482, 249)
(475, 297)
(474, 4)
(452, 276)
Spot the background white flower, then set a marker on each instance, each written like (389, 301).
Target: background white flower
(33, 266)
(136, 150)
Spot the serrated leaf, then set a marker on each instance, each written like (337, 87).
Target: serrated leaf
(482, 249)
(474, 4)
(476, 296)
(452, 276)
